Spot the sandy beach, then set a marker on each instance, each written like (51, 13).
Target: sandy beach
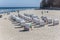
(9, 32)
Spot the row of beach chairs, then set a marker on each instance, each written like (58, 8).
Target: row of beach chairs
(23, 18)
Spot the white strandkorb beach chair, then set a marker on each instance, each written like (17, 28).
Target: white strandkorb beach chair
(13, 17)
(18, 20)
(44, 18)
(42, 23)
(25, 17)
(34, 16)
(29, 15)
(55, 22)
(48, 20)
(36, 21)
(21, 16)
(27, 26)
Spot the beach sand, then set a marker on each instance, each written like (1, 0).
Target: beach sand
(9, 32)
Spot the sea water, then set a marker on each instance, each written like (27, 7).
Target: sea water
(13, 9)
